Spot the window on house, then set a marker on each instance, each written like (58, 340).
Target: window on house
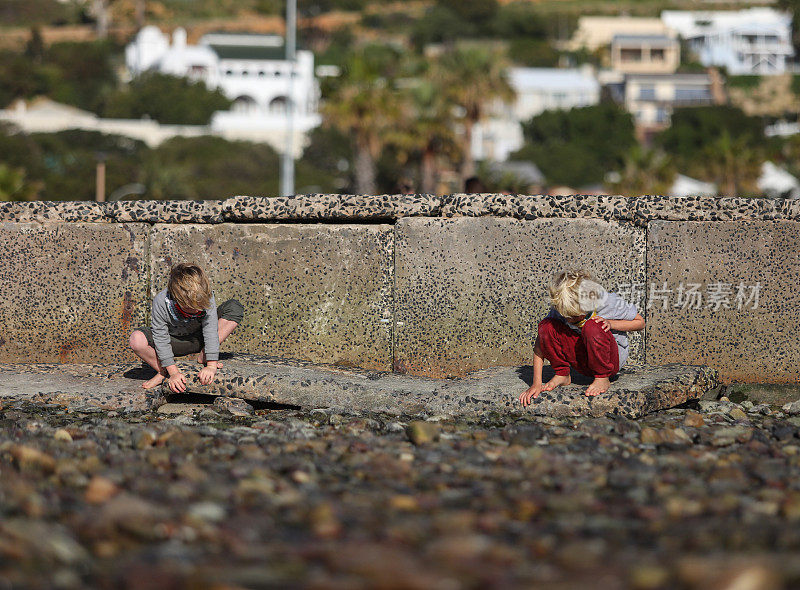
(692, 94)
(657, 55)
(629, 54)
(647, 92)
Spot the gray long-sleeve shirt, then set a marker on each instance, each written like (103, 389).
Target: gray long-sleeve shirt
(166, 321)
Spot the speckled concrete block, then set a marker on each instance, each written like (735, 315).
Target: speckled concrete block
(319, 292)
(54, 211)
(330, 207)
(706, 208)
(744, 341)
(71, 291)
(173, 211)
(470, 292)
(536, 206)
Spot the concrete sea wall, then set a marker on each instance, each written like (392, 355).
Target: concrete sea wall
(420, 284)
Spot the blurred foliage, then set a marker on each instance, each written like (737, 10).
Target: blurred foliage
(579, 146)
(78, 74)
(14, 185)
(795, 85)
(720, 144)
(744, 82)
(533, 53)
(693, 129)
(645, 172)
(62, 166)
(166, 99)
(16, 13)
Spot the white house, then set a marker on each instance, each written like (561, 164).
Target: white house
(775, 181)
(652, 98)
(249, 69)
(754, 41)
(537, 90)
(684, 186)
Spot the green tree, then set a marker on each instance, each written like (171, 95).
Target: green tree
(734, 163)
(645, 172)
(364, 104)
(78, 74)
(700, 141)
(167, 99)
(579, 146)
(209, 168)
(425, 136)
(472, 78)
(14, 186)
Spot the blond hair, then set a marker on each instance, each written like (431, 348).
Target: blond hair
(575, 292)
(188, 286)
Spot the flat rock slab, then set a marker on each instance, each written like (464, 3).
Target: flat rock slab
(637, 391)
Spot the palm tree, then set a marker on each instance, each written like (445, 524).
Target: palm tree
(426, 132)
(472, 78)
(733, 164)
(365, 105)
(646, 172)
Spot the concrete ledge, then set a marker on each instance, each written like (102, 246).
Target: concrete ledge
(177, 211)
(492, 392)
(370, 208)
(331, 207)
(539, 206)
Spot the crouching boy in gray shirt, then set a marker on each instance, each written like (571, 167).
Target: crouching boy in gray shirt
(185, 320)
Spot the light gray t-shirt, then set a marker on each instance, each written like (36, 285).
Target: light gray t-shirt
(166, 321)
(612, 307)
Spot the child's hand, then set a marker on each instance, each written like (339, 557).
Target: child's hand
(206, 375)
(177, 383)
(531, 393)
(603, 323)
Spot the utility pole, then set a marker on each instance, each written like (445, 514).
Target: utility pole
(100, 9)
(100, 178)
(287, 162)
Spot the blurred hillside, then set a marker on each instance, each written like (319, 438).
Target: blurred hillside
(415, 81)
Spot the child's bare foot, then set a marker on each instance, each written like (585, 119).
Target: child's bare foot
(557, 381)
(150, 383)
(599, 385)
(201, 358)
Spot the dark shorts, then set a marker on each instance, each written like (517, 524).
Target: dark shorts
(230, 310)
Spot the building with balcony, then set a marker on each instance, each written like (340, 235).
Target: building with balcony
(755, 41)
(652, 98)
(249, 69)
(645, 54)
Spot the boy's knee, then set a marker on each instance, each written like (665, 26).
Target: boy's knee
(138, 340)
(594, 331)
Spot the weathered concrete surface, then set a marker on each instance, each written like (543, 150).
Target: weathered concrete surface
(744, 344)
(318, 292)
(71, 291)
(636, 392)
(470, 291)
